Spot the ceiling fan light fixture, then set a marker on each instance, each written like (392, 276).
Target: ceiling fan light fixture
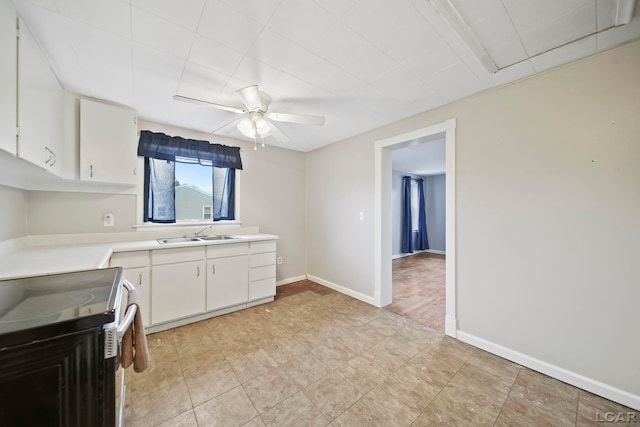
(262, 127)
(247, 127)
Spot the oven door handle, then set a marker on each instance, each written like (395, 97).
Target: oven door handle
(129, 315)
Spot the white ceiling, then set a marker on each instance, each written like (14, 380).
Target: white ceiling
(424, 156)
(361, 64)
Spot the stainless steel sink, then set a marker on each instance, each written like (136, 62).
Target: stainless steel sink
(220, 237)
(178, 240)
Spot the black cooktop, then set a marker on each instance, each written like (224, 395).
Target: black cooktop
(41, 307)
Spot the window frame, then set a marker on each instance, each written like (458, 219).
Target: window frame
(139, 194)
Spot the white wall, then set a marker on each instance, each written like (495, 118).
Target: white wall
(435, 201)
(548, 201)
(57, 212)
(14, 213)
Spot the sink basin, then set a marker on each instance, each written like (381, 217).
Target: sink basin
(220, 237)
(179, 240)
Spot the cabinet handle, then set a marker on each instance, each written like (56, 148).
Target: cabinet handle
(54, 158)
(139, 279)
(50, 155)
(213, 268)
(198, 267)
(91, 171)
(135, 171)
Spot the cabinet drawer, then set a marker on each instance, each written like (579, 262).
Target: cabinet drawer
(265, 246)
(228, 249)
(259, 273)
(262, 289)
(169, 256)
(130, 259)
(258, 260)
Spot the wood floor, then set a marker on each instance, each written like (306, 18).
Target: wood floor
(419, 289)
(301, 286)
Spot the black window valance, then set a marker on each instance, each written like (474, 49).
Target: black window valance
(165, 147)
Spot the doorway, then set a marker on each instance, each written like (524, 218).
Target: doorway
(383, 290)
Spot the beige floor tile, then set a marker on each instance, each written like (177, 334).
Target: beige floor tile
(269, 389)
(379, 409)
(251, 365)
(195, 363)
(597, 411)
(160, 405)
(306, 369)
(295, 411)
(363, 373)
(186, 419)
(232, 408)
(409, 389)
(157, 375)
(333, 394)
(210, 382)
(256, 422)
(538, 398)
(463, 405)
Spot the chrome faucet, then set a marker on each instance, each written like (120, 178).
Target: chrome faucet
(199, 232)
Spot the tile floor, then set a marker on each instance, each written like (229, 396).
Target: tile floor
(419, 289)
(327, 359)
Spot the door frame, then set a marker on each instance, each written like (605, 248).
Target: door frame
(382, 221)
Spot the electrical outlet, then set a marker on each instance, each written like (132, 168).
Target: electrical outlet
(279, 260)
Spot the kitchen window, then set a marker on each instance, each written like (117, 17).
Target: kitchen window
(187, 180)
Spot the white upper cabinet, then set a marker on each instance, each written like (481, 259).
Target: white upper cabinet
(40, 106)
(8, 76)
(108, 144)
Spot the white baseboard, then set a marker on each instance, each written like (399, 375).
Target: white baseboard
(291, 280)
(431, 251)
(357, 295)
(580, 381)
(451, 326)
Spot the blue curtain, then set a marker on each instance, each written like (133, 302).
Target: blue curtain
(422, 242)
(159, 191)
(407, 232)
(165, 147)
(223, 193)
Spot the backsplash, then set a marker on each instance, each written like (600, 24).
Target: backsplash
(13, 219)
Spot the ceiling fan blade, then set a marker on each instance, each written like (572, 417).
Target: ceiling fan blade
(229, 126)
(297, 118)
(277, 133)
(250, 97)
(210, 104)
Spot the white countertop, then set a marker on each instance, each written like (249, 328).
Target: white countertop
(29, 261)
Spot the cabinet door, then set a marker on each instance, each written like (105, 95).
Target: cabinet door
(108, 144)
(139, 277)
(40, 106)
(177, 290)
(8, 76)
(227, 282)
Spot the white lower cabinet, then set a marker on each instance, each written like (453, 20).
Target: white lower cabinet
(262, 272)
(227, 282)
(177, 286)
(178, 282)
(135, 269)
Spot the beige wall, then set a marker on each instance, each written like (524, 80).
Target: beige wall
(14, 213)
(548, 201)
(56, 212)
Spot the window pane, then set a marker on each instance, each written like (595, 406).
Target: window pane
(160, 206)
(194, 191)
(414, 205)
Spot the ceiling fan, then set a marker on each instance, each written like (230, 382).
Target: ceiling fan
(256, 122)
